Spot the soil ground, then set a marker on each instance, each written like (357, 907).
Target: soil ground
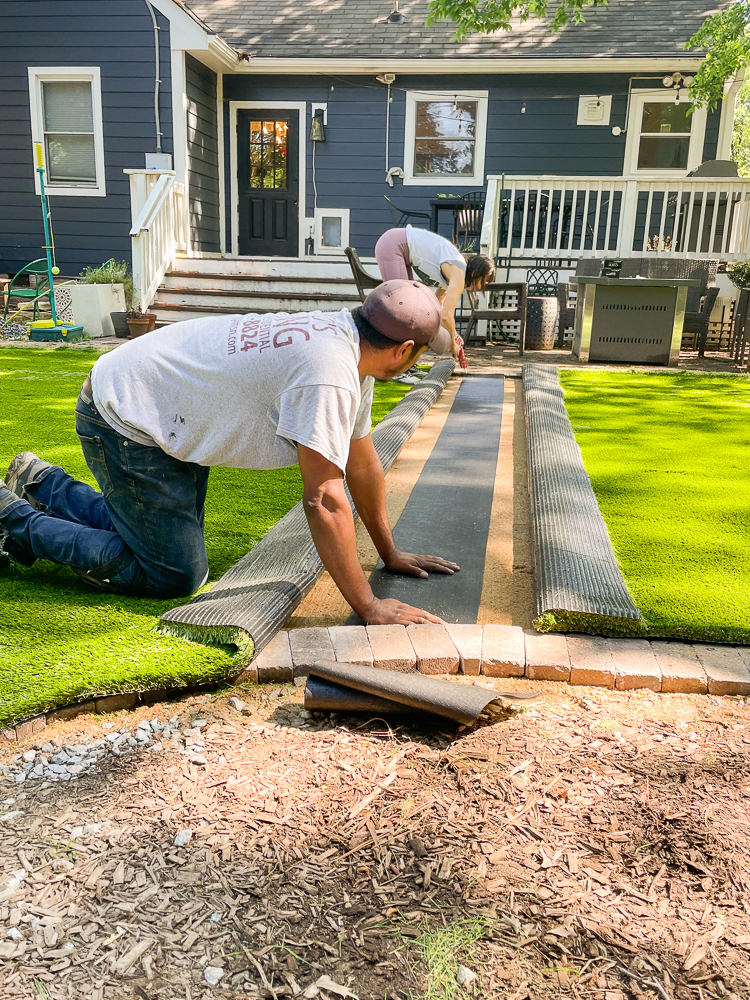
(596, 844)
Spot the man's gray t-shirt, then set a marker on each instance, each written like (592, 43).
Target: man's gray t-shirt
(240, 391)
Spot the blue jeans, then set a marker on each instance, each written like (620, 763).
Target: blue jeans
(141, 535)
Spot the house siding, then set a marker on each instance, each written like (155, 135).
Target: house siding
(203, 157)
(350, 164)
(118, 37)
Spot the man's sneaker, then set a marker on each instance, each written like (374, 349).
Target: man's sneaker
(7, 497)
(8, 548)
(24, 469)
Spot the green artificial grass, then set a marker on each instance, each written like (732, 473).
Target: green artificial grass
(61, 642)
(668, 457)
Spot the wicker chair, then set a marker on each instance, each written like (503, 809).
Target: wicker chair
(362, 279)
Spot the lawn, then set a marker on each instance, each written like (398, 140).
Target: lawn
(59, 641)
(668, 457)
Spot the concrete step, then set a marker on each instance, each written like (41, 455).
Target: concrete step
(278, 283)
(293, 267)
(176, 312)
(255, 300)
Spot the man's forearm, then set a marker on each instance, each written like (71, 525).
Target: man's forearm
(367, 486)
(332, 529)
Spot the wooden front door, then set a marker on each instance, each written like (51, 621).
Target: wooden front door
(268, 182)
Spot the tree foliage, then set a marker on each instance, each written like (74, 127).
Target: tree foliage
(484, 16)
(741, 133)
(726, 39)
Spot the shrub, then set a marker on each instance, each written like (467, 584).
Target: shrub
(111, 272)
(739, 274)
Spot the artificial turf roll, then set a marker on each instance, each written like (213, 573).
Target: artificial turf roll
(578, 586)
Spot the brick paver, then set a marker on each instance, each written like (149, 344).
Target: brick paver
(274, 661)
(680, 667)
(547, 657)
(635, 664)
(503, 651)
(436, 651)
(591, 661)
(725, 670)
(350, 644)
(309, 645)
(391, 648)
(468, 642)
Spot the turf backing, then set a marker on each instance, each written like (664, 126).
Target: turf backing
(59, 641)
(668, 457)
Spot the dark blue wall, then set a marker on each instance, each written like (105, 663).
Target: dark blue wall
(203, 157)
(351, 163)
(116, 35)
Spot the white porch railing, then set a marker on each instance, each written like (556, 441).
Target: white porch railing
(571, 217)
(159, 213)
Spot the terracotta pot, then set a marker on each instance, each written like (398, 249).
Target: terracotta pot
(138, 327)
(152, 317)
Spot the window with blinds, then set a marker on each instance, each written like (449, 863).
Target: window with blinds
(68, 122)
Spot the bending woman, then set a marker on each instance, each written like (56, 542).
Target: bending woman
(404, 253)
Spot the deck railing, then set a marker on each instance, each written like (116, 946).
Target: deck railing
(570, 217)
(159, 229)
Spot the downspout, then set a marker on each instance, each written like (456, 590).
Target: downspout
(157, 75)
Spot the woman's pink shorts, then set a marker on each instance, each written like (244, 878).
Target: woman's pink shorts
(392, 255)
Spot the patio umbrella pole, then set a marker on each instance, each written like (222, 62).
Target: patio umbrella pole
(48, 243)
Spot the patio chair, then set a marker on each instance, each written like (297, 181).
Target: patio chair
(566, 300)
(401, 216)
(362, 279)
(495, 313)
(467, 221)
(37, 270)
(542, 281)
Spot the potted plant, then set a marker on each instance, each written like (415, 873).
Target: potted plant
(100, 291)
(139, 322)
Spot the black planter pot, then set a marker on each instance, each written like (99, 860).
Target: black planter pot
(120, 323)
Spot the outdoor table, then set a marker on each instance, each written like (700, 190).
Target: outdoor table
(444, 204)
(636, 320)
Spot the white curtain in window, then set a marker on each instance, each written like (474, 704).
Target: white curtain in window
(69, 131)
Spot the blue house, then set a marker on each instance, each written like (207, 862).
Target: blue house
(178, 134)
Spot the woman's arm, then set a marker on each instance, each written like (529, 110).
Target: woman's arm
(451, 298)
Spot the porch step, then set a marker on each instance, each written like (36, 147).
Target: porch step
(294, 267)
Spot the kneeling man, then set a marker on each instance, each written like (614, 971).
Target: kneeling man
(248, 392)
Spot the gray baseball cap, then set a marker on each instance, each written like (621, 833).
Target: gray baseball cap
(407, 310)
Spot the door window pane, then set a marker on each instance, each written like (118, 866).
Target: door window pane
(268, 154)
(68, 117)
(445, 138)
(665, 136)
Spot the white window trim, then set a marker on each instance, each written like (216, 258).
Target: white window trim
(633, 135)
(301, 108)
(339, 213)
(52, 74)
(441, 180)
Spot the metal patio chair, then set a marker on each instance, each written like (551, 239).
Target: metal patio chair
(401, 216)
(37, 270)
(467, 221)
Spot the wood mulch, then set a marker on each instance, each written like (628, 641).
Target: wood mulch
(602, 838)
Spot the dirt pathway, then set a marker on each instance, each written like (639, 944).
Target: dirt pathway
(597, 844)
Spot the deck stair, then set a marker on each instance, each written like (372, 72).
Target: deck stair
(212, 286)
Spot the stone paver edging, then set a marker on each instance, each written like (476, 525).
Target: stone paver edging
(510, 651)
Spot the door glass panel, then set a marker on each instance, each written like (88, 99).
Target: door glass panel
(445, 137)
(268, 154)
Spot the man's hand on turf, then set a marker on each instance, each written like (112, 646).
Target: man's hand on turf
(391, 612)
(413, 564)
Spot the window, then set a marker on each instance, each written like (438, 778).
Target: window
(445, 138)
(666, 136)
(268, 153)
(66, 118)
(331, 230)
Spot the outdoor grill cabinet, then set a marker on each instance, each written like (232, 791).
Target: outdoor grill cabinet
(633, 320)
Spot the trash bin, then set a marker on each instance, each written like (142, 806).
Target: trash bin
(541, 322)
